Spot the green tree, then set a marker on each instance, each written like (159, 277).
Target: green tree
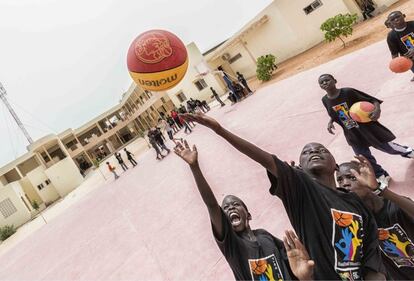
(265, 66)
(35, 205)
(6, 231)
(338, 26)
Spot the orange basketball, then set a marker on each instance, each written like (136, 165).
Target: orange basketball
(342, 219)
(400, 64)
(258, 267)
(157, 60)
(383, 234)
(360, 111)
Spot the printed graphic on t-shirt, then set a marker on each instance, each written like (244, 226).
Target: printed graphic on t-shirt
(347, 243)
(265, 269)
(396, 245)
(343, 113)
(408, 41)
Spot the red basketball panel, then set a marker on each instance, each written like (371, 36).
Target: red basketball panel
(400, 64)
(155, 50)
(355, 117)
(366, 106)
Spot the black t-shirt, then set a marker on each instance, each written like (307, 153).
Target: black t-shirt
(264, 259)
(396, 239)
(399, 42)
(339, 233)
(119, 158)
(356, 134)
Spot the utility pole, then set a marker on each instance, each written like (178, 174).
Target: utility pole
(3, 94)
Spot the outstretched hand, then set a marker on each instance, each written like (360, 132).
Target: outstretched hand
(202, 119)
(299, 260)
(186, 153)
(366, 175)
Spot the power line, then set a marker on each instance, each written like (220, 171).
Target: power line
(32, 115)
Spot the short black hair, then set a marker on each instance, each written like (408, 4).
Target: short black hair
(352, 165)
(395, 12)
(326, 74)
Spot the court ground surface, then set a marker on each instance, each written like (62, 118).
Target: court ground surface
(151, 223)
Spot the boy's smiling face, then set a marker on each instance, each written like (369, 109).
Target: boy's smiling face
(236, 212)
(316, 159)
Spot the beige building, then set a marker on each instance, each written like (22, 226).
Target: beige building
(53, 165)
(285, 28)
(194, 85)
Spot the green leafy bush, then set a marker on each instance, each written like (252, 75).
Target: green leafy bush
(338, 26)
(35, 205)
(6, 231)
(265, 66)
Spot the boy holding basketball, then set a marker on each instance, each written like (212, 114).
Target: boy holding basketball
(360, 136)
(337, 230)
(251, 254)
(401, 38)
(393, 213)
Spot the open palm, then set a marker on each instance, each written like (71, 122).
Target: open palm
(366, 175)
(299, 260)
(203, 120)
(186, 153)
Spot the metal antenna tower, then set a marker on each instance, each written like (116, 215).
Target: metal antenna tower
(3, 94)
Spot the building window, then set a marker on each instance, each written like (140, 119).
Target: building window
(181, 97)
(200, 84)
(47, 182)
(313, 6)
(236, 57)
(7, 208)
(40, 186)
(163, 100)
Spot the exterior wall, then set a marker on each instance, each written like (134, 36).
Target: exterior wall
(30, 190)
(187, 84)
(65, 176)
(387, 3)
(48, 192)
(22, 214)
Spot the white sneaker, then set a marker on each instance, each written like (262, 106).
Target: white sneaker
(410, 154)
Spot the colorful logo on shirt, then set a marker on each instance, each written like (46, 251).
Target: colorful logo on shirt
(343, 113)
(396, 245)
(347, 243)
(408, 41)
(265, 269)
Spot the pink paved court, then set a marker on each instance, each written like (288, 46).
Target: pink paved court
(151, 223)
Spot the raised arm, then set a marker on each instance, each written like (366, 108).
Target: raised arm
(191, 157)
(257, 154)
(366, 177)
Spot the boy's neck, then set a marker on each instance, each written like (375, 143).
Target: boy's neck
(326, 180)
(248, 234)
(333, 93)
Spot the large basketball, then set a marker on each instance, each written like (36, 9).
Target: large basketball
(342, 219)
(157, 60)
(360, 111)
(400, 64)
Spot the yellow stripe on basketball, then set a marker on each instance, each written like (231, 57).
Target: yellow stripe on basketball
(160, 81)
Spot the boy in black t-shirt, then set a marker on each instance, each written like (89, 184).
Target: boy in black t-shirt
(360, 136)
(251, 254)
(401, 38)
(337, 230)
(393, 213)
